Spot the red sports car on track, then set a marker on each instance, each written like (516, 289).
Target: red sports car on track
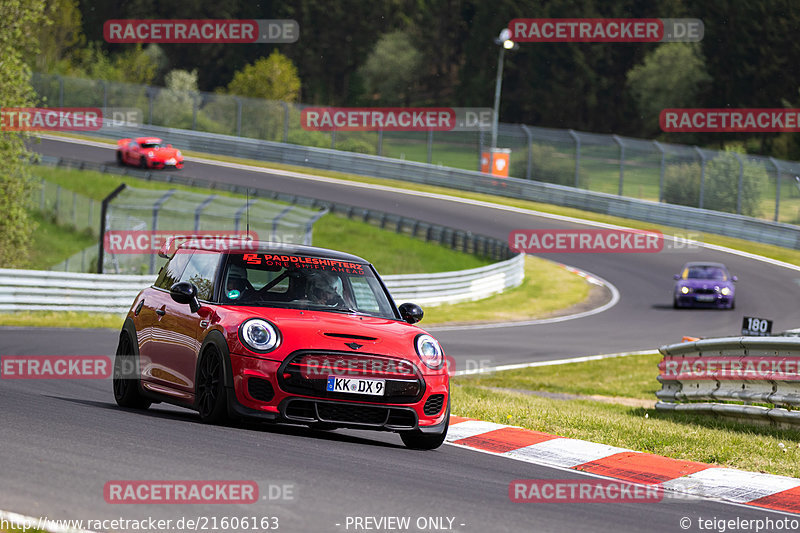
(148, 152)
(282, 333)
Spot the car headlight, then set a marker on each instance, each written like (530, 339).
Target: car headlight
(259, 335)
(429, 351)
(725, 291)
(151, 154)
(684, 290)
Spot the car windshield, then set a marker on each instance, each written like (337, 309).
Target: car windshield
(301, 282)
(153, 145)
(705, 272)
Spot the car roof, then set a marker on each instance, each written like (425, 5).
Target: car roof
(704, 264)
(147, 140)
(283, 249)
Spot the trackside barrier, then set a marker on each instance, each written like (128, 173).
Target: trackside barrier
(753, 379)
(690, 218)
(38, 290)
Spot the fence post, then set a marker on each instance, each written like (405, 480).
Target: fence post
(195, 106)
(238, 116)
(285, 122)
(777, 186)
(41, 195)
(199, 209)
(621, 162)
(150, 98)
(156, 208)
(529, 135)
(741, 184)
(480, 149)
(661, 171)
(60, 91)
(58, 202)
(74, 209)
(105, 95)
(380, 142)
(577, 140)
(103, 211)
(702, 175)
(333, 139)
(430, 146)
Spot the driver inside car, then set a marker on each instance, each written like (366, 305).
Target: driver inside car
(237, 285)
(321, 288)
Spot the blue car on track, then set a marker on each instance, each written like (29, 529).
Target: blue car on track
(701, 284)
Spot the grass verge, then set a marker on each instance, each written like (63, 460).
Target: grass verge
(678, 435)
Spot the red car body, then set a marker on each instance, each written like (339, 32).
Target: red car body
(148, 152)
(166, 345)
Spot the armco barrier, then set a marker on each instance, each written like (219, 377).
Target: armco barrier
(690, 218)
(36, 290)
(727, 376)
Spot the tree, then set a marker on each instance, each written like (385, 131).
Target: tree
(61, 36)
(670, 76)
(392, 69)
(17, 42)
(273, 78)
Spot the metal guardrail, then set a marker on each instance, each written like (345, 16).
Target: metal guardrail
(746, 378)
(690, 218)
(35, 290)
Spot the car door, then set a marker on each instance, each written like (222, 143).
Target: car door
(149, 321)
(174, 356)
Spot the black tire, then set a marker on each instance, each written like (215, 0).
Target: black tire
(675, 303)
(119, 158)
(417, 440)
(126, 388)
(142, 162)
(733, 304)
(212, 403)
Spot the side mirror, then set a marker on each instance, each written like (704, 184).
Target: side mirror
(676, 276)
(411, 313)
(734, 278)
(184, 292)
(169, 146)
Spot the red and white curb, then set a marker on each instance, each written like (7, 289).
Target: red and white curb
(778, 493)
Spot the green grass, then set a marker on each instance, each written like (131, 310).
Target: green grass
(53, 243)
(630, 376)
(62, 319)
(678, 435)
(390, 252)
(547, 288)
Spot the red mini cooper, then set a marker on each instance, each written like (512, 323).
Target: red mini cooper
(282, 334)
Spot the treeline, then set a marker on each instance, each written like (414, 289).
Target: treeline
(441, 52)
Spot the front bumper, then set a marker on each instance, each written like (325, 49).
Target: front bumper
(257, 393)
(704, 300)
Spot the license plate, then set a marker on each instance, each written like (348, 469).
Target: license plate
(372, 387)
(705, 297)
(170, 162)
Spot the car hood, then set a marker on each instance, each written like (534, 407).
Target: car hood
(320, 330)
(704, 283)
(164, 153)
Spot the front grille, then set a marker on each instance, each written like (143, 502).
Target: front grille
(356, 414)
(434, 405)
(348, 414)
(307, 373)
(260, 389)
(705, 291)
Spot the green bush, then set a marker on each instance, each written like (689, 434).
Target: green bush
(360, 146)
(682, 185)
(548, 165)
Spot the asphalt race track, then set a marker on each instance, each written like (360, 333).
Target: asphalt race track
(63, 440)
